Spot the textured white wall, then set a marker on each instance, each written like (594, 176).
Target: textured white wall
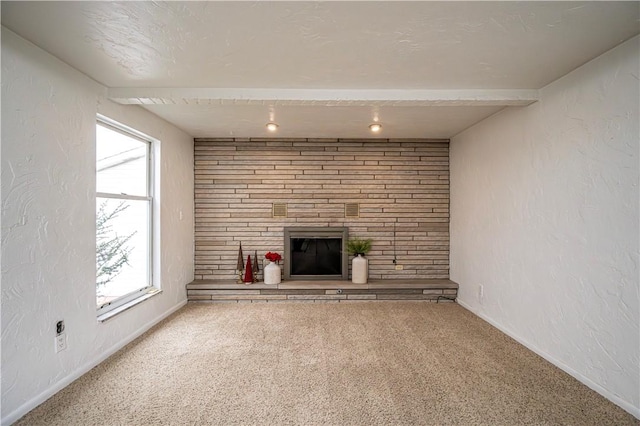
(48, 225)
(544, 203)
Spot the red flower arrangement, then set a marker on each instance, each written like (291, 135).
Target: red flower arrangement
(272, 256)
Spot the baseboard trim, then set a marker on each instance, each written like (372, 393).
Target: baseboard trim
(83, 369)
(625, 405)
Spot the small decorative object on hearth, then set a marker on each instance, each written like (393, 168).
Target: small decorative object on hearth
(240, 264)
(248, 275)
(359, 264)
(256, 268)
(272, 272)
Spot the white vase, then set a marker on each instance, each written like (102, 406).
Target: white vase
(359, 270)
(272, 273)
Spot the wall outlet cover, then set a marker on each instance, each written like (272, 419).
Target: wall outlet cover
(61, 342)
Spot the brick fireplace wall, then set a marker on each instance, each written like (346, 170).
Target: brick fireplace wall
(401, 182)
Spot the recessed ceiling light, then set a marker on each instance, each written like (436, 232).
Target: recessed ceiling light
(272, 127)
(375, 127)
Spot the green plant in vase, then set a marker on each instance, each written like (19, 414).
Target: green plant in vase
(358, 246)
(359, 264)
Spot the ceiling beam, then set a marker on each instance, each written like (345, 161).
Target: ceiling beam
(322, 97)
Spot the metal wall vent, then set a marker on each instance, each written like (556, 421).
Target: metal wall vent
(352, 210)
(279, 210)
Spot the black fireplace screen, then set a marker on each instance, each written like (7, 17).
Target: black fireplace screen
(316, 256)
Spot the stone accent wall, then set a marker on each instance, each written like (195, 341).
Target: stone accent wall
(396, 182)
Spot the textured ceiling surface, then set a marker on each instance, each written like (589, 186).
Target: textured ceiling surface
(330, 67)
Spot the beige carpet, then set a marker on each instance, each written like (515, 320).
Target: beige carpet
(396, 363)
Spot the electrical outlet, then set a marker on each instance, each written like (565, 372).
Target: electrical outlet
(399, 267)
(61, 342)
(481, 293)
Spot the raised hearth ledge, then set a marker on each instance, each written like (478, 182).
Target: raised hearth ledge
(433, 290)
(324, 284)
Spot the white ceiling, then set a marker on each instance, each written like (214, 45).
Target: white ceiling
(324, 69)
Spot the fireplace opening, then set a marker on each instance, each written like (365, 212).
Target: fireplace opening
(315, 253)
(316, 256)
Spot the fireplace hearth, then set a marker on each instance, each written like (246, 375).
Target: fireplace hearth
(315, 253)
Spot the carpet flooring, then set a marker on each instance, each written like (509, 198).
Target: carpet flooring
(395, 363)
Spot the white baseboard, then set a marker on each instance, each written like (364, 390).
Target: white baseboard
(625, 405)
(65, 381)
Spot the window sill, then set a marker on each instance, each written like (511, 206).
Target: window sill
(108, 315)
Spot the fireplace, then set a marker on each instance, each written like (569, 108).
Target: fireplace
(316, 253)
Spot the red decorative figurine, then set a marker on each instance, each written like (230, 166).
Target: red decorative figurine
(248, 275)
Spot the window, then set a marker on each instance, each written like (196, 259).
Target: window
(124, 211)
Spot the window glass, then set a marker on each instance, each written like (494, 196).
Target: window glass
(123, 216)
(122, 163)
(122, 248)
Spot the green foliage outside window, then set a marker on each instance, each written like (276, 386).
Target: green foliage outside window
(112, 253)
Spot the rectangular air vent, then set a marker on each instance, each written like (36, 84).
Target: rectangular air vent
(279, 210)
(352, 210)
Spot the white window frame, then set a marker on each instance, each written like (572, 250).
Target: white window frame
(126, 301)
